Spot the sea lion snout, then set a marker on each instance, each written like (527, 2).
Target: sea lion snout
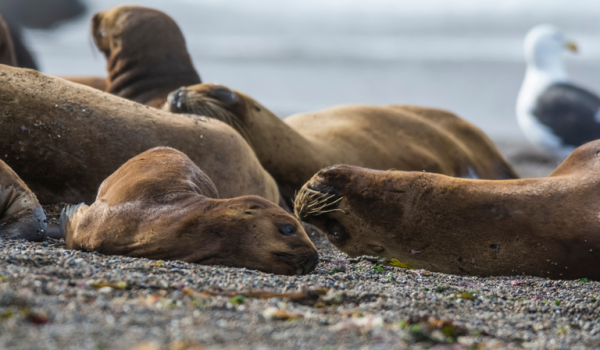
(273, 241)
(318, 203)
(322, 193)
(300, 264)
(21, 216)
(213, 101)
(176, 101)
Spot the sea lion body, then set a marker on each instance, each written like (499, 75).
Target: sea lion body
(21, 216)
(546, 227)
(378, 137)
(160, 205)
(64, 139)
(145, 52)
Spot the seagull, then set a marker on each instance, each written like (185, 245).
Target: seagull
(553, 113)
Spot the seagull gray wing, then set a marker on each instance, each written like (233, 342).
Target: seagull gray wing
(572, 113)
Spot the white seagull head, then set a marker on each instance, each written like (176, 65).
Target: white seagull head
(544, 45)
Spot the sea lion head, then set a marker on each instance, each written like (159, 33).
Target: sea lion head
(348, 204)
(136, 31)
(161, 205)
(143, 46)
(21, 215)
(218, 102)
(260, 235)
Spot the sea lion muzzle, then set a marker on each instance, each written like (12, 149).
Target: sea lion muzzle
(175, 100)
(300, 264)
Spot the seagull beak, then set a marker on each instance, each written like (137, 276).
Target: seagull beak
(571, 46)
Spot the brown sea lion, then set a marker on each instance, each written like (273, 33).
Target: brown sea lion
(64, 139)
(145, 51)
(21, 216)
(7, 49)
(546, 227)
(160, 205)
(398, 137)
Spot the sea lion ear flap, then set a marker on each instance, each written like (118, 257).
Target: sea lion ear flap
(224, 95)
(99, 34)
(95, 26)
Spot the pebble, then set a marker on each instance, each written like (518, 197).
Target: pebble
(48, 300)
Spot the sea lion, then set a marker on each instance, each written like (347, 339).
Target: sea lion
(145, 51)
(398, 137)
(64, 139)
(7, 49)
(160, 205)
(546, 227)
(94, 82)
(21, 216)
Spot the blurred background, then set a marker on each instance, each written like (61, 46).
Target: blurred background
(301, 55)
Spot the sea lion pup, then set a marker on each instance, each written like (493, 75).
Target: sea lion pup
(145, 51)
(398, 137)
(21, 216)
(7, 49)
(64, 139)
(160, 205)
(543, 227)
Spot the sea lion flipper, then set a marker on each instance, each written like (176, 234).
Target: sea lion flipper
(69, 217)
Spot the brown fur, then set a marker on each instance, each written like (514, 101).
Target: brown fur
(7, 49)
(160, 205)
(546, 227)
(64, 139)
(145, 51)
(21, 216)
(94, 82)
(398, 137)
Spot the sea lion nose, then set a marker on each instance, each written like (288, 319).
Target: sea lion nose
(309, 263)
(175, 98)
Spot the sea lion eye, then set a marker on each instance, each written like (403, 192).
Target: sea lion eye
(287, 230)
(224, 95)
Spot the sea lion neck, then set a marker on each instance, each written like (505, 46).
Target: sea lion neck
(283, 152)
(148, 82)
(145, 51)
(497, 207)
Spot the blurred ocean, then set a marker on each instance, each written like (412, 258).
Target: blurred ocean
(300, 55)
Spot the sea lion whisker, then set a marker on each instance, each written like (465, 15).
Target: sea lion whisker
(214, 109)
(331, 210)
(311, 202)
(321, 209)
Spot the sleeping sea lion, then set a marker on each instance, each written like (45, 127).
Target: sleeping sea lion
(64, 139)
(145, 51)
(7, 49)
(160, 205)
(21, 216)
(546, 227)
(398, 137)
